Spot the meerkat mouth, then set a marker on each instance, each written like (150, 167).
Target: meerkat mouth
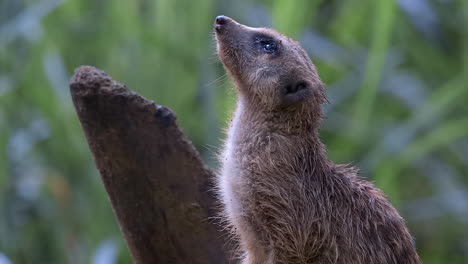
(229, 35)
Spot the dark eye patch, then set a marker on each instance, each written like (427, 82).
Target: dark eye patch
(266, 44)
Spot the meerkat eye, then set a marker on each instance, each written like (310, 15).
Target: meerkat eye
(266, 44)
(269, 46)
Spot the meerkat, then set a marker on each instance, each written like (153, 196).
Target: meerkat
(284, 199)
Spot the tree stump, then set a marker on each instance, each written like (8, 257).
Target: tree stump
(160, 190)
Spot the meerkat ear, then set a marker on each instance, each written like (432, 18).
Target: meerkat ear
(295, 92)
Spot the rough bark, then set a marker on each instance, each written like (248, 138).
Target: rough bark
(160, 190)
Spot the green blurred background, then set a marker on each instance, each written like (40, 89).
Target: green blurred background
(397, 77)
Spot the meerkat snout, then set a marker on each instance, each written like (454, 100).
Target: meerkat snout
(221, 20)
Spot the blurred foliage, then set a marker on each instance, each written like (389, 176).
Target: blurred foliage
(397, 76)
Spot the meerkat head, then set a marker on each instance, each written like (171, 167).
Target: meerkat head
(267, 67)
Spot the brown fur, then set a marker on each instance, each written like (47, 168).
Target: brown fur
(286, 201)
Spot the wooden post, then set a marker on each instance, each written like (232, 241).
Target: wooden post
(159, 188)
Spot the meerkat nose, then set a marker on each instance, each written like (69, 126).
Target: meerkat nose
(221, 20)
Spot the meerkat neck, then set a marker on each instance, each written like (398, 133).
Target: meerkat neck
(298, 120)
(292, 135)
